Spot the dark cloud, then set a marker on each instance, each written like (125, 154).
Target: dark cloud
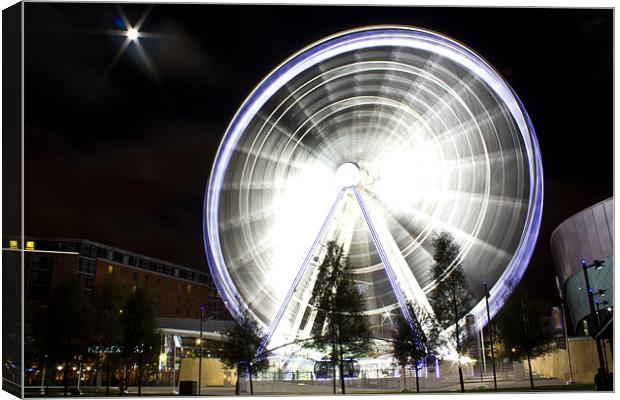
(179, 55)
(142, 194)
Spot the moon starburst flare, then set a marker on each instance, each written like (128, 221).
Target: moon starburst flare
(378, 138)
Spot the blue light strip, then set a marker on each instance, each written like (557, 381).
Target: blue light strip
(300, 274)
(388, 269)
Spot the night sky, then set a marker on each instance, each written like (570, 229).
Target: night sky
(121, 156)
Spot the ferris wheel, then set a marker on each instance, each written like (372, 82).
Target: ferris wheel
(378, 138)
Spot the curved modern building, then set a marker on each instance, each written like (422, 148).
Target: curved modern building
(587, 235)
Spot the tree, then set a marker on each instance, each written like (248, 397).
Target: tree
(244, 340)
(410, 348)
(451, 298)
(141, 339)
(36, 340)
(524, 328)
(110, 299)
(67, 318)
(340, 322)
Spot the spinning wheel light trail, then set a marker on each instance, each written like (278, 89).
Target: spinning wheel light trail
(378, 138)
(300, 273)
(402, 302)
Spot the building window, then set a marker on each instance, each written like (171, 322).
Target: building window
(135, 276)
(88, 280)
(102, 253)
(133, 288)
(189, 288)
(29, 245)
(86, 266)
(13, 244)
(110, 269)
(178, 312)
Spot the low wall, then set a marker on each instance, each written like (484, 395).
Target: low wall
(584, 361)
(214, 373)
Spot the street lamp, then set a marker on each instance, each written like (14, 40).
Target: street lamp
(486, 299)
(571, 381)
(386, 315)
(596, 264)
(42, 390)
(202, 317)
(601, 294)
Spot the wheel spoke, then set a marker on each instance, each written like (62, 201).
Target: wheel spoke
(300, 273)
(389, 261)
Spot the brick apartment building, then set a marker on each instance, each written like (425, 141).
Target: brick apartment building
(179, 291)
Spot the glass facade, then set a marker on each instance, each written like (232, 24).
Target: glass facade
(587, 235)
(602, 284)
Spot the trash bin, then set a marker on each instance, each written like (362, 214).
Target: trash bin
(188, 388)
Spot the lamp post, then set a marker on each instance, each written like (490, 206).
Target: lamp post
(597, 264)
(571, 381)
(486, 299)
(42, 390)
(527, 343)
(79, 374)
(173, 380)
(202, 315)
(601, 294)
(386, 315)
(483, 366)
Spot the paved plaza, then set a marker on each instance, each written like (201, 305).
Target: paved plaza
(385, 386)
